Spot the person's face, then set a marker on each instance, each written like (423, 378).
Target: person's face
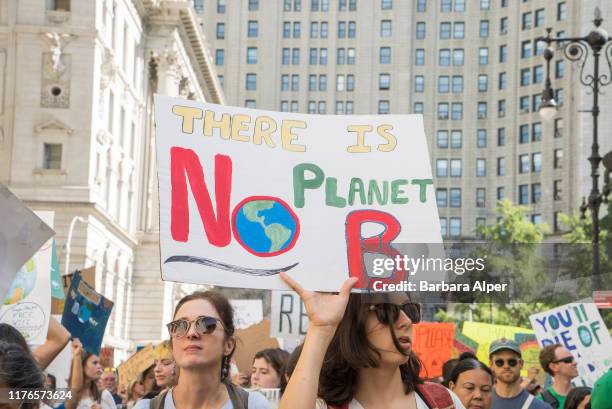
(506, 366)
(92, 368)
(584, 403)
(379, 336)
(561, 368)
(109, 381)
(164, 372)
(193, 349)
(138, 391)
(263, 375)
(474, 389)
(148, 382)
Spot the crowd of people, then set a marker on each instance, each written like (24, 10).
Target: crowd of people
(357, 354)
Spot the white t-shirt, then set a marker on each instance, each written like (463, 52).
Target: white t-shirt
(420, 403)
(106, 401)
(256, 401)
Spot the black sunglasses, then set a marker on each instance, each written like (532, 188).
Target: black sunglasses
(388, 313)
(566, 360)
(511, 362)
(203, 325)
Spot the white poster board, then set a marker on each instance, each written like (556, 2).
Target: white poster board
(247, 312)
(245, 194)
(579, 328)
(27, 304)
(22, 233)
(289, 317)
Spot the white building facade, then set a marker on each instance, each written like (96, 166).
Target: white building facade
(77, 136)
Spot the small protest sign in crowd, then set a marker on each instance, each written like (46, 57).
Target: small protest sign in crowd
(283, 202)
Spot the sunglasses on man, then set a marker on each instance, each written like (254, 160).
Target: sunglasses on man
(512, 362)
(388, 313)
(203, 325)
(566, 360)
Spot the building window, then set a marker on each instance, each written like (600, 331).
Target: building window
(455, 227)
(443, 110)
(480, 222)
(481, 167)
(483, 83)
(63, 5)
(483, 56)
(559, 69)
(484, 28)
(458, 57)
(442, 138)
(350, 82)
(284, 82)
(537, 102)
(536, 131)
(350, 59)
(312, 82)
(253, 5)
(524, 163)
(323, 56)
(198, 5)
(284, 106)
(558, 128)
(383, 107)
(539, 47)
(485, 4)
(441, 168)
(456, 139)
(295, 82)
(558, 160)
(221, 6)
(524, 105)
(444, 58)
(312, 107)
(525, 76)
(455, 197)
(352, 29)
(342, 5)
(324, 29)
(314, 5)
(342, 29)
(526, 21)
(526, 49)
(459, 5)
(560, 96)
(339, 107)
(443, 227)
(457, 84)
(523, 133)
(323, 82)
(420, 30)
(482, 110)
(481, 138)
(557, 189)
(419, 83)
(501, 136)
(384, 81)
(341, 56)
(286, 54)
(251, 82)
(418, 108)
(287, 29)
(455, 165)
(349, 107)
(457, 111)
(446, 5)
(221, 80)
(219, 56)
(421, 6)
(503, 53)
(314, 30)
(538, 74)
(536, 218)
(523, 194)
(501, 166)
(501, 193)
(539, 18)
(385, 28)
(52, 156)
(536, 192)
(503, 25)
(556, 222)
(445, 31)
(561, 11)
(385, 55)
(459, 30)
(353, 5)
(536, 162)
(253, 28)
(442, 197)
(252, 55)
(295, 56)
(313, 56)
(481, 194)
(297, 29)
(419, 57)
(502, 83)
(443, 83)
(220, 31)
(249, 103)
(501, 108)
(322, 107)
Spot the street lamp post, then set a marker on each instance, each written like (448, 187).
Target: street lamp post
(577, 49)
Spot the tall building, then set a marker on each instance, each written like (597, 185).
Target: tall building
(471, 67)
(77, 136)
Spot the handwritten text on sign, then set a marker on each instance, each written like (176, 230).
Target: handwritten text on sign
(245, 194)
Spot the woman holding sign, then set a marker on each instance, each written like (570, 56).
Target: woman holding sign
(203, 342)
(358, 355)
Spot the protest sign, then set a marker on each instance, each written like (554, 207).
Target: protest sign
(135, 365)
(107, 357)
(85, 314)
(27, 304)
(250, 341)
(22, 233)
(57, 290)
(245, 194)
(578, 327)
(463, 343)
(433, 343)
(289, 318)
(247, 312)
(530, 352)
(87, 274)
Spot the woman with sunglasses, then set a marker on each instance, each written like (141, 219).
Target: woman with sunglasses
(358, 354)
(203, 342)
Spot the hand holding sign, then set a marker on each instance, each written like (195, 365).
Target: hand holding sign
(324, 310)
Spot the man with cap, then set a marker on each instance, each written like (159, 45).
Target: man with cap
(601, 397)
(558, 362)
(506, 363)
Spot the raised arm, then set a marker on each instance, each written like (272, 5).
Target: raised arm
(325, 311)
(76, 372)
(57, 338)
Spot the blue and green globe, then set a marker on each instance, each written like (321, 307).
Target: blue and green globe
(265, 226)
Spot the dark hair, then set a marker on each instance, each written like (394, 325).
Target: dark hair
(10, 334)
(19, 370)
(275, 357)
(547, 356)
(466, 355)
(350, 350)
(94, 392)
(447, 368)
(290, 367)
(226, 314)
(575, 396)
(468, 364)
(52, 381)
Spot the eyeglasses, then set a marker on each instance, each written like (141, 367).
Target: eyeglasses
(388, 313)
(203, 325)
(511, 362)
(566, 360)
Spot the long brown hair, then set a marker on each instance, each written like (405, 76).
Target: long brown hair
(95, 393)
(350, 350)
(226, 314)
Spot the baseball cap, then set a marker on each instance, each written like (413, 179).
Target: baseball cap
(504, 343)
(602, 391)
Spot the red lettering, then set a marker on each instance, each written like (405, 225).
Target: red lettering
(185, 164)
(357, 246)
